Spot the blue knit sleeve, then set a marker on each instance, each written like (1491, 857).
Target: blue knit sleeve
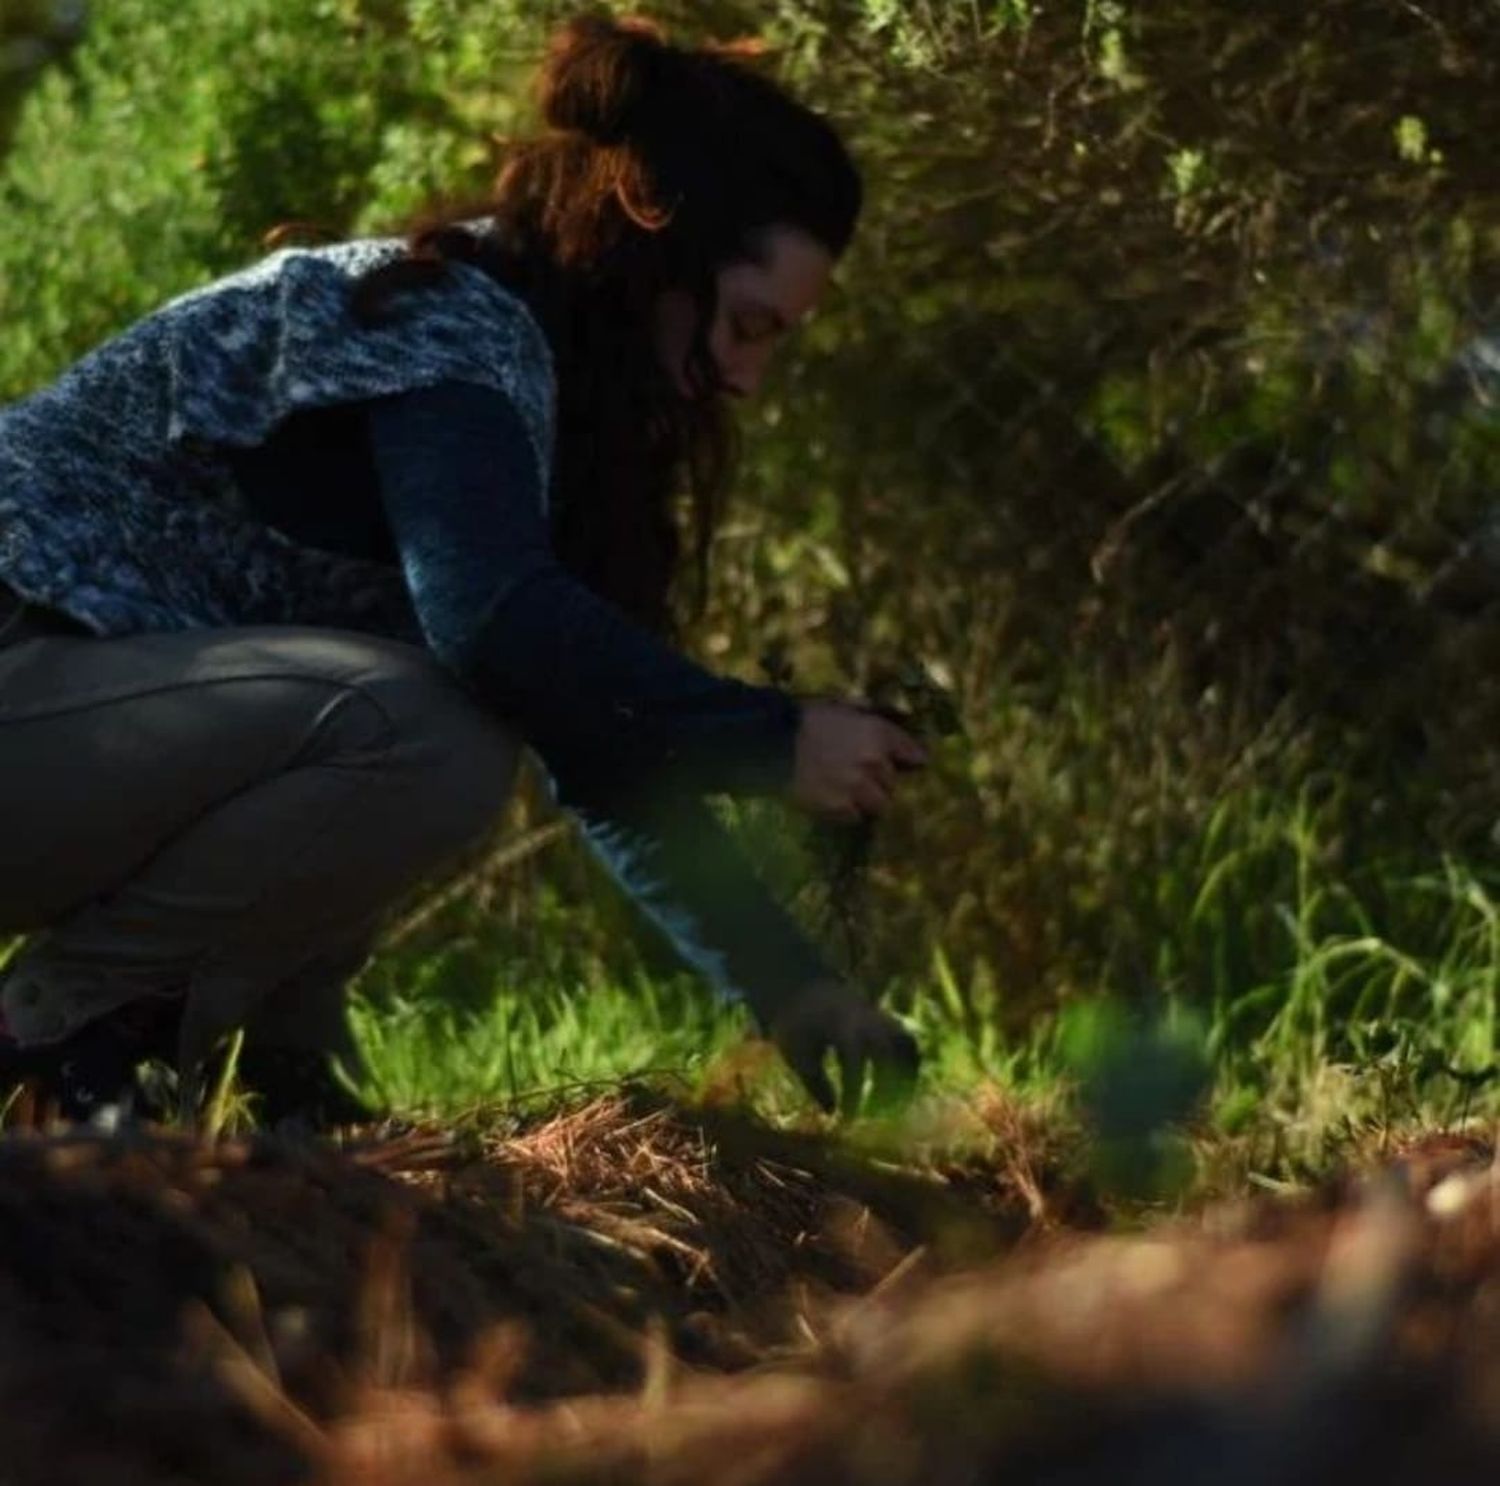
(629, 732)
(586, 685)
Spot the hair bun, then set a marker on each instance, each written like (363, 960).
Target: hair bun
(606, 78)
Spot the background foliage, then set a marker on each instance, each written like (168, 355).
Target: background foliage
(1152, 417)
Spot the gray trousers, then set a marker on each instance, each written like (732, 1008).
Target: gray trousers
(224, 815)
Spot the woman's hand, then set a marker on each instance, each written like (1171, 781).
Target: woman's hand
(830, 1014)
(847, 758)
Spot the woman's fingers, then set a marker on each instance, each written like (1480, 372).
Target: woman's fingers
(807, 1064)
(848, 760)
(853, 1053)
(888, 1052)
(833, 1017)
(869, 797)
(904, 748)
(896, 1069)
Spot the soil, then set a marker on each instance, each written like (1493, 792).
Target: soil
(629, 1292)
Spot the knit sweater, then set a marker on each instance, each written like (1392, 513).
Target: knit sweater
(116, 504)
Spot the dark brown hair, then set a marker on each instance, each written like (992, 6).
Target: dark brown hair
(659, 165)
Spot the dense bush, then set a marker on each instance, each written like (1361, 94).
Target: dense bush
(33, 35)
(1140, 418)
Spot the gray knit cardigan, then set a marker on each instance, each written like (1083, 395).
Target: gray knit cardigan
(116, 502)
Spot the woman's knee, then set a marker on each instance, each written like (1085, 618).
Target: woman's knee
(394, 709)
(463, 756)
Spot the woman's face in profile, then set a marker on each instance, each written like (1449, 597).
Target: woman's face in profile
(761, 301)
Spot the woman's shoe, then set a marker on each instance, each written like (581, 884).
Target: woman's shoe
(91, 1070)
(297, 1086)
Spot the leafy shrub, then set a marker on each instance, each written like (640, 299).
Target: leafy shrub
(1139, 416)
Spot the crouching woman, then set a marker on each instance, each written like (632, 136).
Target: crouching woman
(292, 569)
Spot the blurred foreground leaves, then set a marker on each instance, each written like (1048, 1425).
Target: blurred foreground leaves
(1139, 1077)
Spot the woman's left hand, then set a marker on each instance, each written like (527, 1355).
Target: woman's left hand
(831, 1014)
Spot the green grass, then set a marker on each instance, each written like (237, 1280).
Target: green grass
(427, 1055)
(1328, 1021)
(1303, 1001)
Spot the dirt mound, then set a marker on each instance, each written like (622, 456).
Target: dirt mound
(175, 1311)
(623, 1293)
